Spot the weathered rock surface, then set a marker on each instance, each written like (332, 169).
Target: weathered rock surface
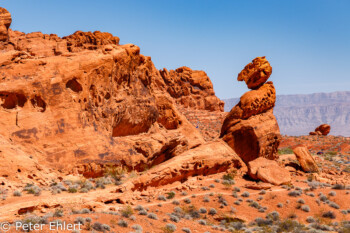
(323, 129)
(255, 73)
(251, 128)
(268, 171)
(191, 88)
(305, 159)
(5, 22)
(210, 158)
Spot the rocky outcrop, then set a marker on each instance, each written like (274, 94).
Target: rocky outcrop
(305, 159)
(82, 103)
(210, 158)
(255, 73)
(191, 88)
(5, 22)
(323, 129)
(268, 171)
(251, 128)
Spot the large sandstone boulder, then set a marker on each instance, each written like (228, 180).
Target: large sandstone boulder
(323, 129)
(191, 88)
(210, 158)
(255, 73)
(305, 159)
(5, 22)
(268, 171)
(250, 128)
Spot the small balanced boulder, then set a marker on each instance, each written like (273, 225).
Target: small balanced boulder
(324, 129)
(305, 159)
(250, 128)
(256, 73)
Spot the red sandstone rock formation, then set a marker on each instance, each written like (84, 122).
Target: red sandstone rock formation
(323, 129)
(84, 102)
(268, 171)
(210, 158)
(5, 22)
(251, 128)
(191, 88)
(255, 73)
(305, 159)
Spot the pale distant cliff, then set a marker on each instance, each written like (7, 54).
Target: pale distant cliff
(300, 114)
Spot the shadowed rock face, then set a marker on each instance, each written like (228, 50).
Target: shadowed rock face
(5, 22)
(324, 129)
(251, 128)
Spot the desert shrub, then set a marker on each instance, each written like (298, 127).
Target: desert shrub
(17, 193)
(294, 193)
(186, 230)
(334, 205)
(323, 198)
(202, 210)
(262, 192)
(177, 209)
(202, 222)
(123, 223)
(237, 202)
(329, 214)
(176, 202)
(205, 188)
(139, 207)
(263, 222)
(212, 186)
(97, 226)
(73, 189)
(229, 175)
(217, 180)
(305, 208)
(285, 150)
(187, 200)
(289, 225)
(106, 227)
(171, 195)
(88, 219)
(84, 190)
(206, 199)
(137, 227)
(338, 186)
(184, 193)
(117, 173)
(174, 218)
(85, 211)
(245, 194)
(143, 212)
(169, 228)
(132, 218)
(152, 216)
(274, 216)
(310, 219)
(254, 205)
(301, 201)
(234, 194)
(332, 193)
(126, 211)
(32, 189)
(261, 210)
(58, 213)
(236, 189)
(212, 211)
(80, 220)
(161, 198)
(280, 205)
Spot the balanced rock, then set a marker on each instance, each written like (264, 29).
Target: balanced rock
(323, 129)
(255, 73)
(250, 128)
(268, 171)
(5, 22)
(305, 159)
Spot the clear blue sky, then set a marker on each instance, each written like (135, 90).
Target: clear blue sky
(306, 41)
